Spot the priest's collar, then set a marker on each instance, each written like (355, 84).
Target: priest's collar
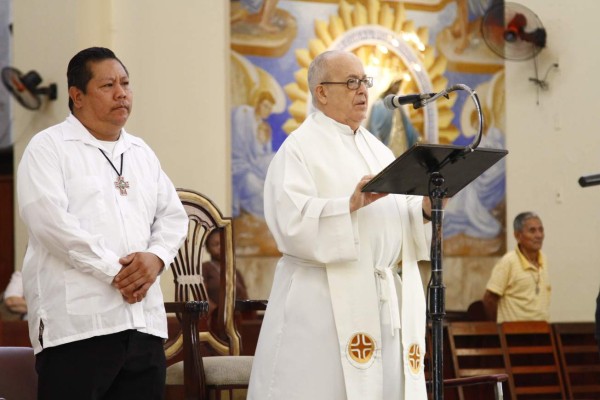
(341, 128)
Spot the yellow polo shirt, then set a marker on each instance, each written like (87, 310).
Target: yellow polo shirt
(524, 289)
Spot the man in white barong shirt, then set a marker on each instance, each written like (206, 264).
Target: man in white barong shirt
(103, 221)
(340, 323)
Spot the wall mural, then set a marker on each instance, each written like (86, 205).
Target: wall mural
(407, 47)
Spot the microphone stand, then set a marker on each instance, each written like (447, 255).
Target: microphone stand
(436, 289)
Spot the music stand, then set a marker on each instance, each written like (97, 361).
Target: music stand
(436, 171)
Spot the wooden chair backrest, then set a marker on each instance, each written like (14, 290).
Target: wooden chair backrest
(579, 359)
(476, 350)
(205, 217)
(532, 360)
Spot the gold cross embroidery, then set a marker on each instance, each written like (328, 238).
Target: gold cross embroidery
(414, 358)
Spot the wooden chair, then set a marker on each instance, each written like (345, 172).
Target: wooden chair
(215, 363)
(476, 351)
(579, 359)
(531, 358)
(18, 378)
(482, 387)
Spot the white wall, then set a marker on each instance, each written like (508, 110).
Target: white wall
(552, 144)
(177, 55)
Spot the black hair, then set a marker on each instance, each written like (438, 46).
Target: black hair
(79, 72)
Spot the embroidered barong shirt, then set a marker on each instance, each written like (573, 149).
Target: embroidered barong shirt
(79, 225)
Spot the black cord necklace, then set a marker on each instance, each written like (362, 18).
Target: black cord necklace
(120, 184)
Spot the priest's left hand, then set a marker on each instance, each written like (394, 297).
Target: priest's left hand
(360, 199)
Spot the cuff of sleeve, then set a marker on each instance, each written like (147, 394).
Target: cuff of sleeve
(103, 269)
(163, 254)
(319, 208)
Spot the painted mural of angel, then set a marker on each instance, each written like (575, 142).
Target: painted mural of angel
(257, 96)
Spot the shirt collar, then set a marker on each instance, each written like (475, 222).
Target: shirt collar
(80, 133)
(527, 264)
(339, 127)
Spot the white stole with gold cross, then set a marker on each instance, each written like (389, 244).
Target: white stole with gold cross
(355, 297)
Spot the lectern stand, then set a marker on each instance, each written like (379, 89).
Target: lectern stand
(436, 171)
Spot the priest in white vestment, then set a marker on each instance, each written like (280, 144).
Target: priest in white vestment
(342, 321)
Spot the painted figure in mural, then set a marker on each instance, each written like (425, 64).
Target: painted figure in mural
(473, 217)
(392, 127)
(103, 221)
(468, 21)
(251, 153)
(260, 12)
(341, 324)
(519, 288)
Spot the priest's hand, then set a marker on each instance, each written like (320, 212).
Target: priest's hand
(139, 272)
(360, 199)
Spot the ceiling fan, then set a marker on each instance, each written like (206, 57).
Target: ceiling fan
(24, 87)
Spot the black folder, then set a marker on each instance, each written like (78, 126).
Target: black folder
(410, 172)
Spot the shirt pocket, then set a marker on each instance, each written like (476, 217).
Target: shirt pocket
(86, 200)
(86, 295)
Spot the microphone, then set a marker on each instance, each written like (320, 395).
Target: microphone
(391, 102)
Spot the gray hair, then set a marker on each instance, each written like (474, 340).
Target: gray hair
(520, 219)
(318, 71)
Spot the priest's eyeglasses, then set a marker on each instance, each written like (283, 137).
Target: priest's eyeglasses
(353, 83)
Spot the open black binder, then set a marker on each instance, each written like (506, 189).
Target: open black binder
(410, 172)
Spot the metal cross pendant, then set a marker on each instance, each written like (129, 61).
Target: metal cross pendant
(122, 185)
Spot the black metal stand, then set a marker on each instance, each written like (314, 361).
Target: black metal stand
(435, 288)
(418, 172)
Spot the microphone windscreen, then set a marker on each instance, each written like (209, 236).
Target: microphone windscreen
(388, 102)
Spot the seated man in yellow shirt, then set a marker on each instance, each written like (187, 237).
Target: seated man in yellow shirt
(519, 288)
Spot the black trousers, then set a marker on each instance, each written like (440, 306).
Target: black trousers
(124, 365)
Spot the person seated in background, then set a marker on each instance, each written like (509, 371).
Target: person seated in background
(14, 300)
(519, 288)
(211, 272)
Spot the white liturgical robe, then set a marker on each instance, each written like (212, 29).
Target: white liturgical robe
(340, 324)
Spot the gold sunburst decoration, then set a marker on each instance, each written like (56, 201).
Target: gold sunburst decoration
(390, 46)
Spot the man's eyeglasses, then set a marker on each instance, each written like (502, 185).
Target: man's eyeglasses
(353, 83)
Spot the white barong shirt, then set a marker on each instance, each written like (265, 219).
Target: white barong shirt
(79, 226)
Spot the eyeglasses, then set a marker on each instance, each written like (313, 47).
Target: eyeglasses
(353, 83)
